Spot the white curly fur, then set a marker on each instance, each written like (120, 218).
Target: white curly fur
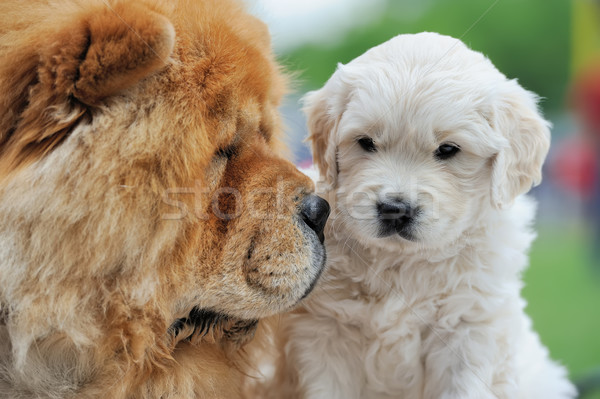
(438, 316)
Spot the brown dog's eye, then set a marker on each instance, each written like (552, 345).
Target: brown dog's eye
(367, 144)
(446, 151)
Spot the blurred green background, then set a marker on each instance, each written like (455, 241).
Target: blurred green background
(543, 43)
(528, 39)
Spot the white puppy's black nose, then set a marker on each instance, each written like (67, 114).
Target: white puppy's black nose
(315, 211)
(396, 216)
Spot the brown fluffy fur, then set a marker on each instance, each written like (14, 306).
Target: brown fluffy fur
(120, 120)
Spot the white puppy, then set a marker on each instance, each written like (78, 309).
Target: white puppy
(424, 150)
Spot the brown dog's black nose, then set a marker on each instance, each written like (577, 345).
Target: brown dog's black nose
(315, 211)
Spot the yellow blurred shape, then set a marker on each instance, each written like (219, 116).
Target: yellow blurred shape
(585, 34)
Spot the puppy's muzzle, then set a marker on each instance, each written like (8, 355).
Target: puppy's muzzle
(315, 211)
(396, 217)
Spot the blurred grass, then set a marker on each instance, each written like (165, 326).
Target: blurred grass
(563, 294)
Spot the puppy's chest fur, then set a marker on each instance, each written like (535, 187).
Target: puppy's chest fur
(390, 322)
(385, 292)
(395, 307)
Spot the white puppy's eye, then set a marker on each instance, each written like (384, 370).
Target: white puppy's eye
(446, 150)
(367, 144)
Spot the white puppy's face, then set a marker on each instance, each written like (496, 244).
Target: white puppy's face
(418, 137)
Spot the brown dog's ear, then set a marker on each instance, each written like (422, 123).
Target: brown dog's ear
(125, 43)
(518, 166)
(52, 73)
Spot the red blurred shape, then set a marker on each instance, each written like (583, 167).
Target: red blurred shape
(574, 166)
(585, 97)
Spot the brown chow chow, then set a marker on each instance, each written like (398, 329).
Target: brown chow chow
(146, 220)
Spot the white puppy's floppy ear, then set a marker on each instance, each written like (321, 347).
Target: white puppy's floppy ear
(517, 166)
(322, 124)
(324, 109)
